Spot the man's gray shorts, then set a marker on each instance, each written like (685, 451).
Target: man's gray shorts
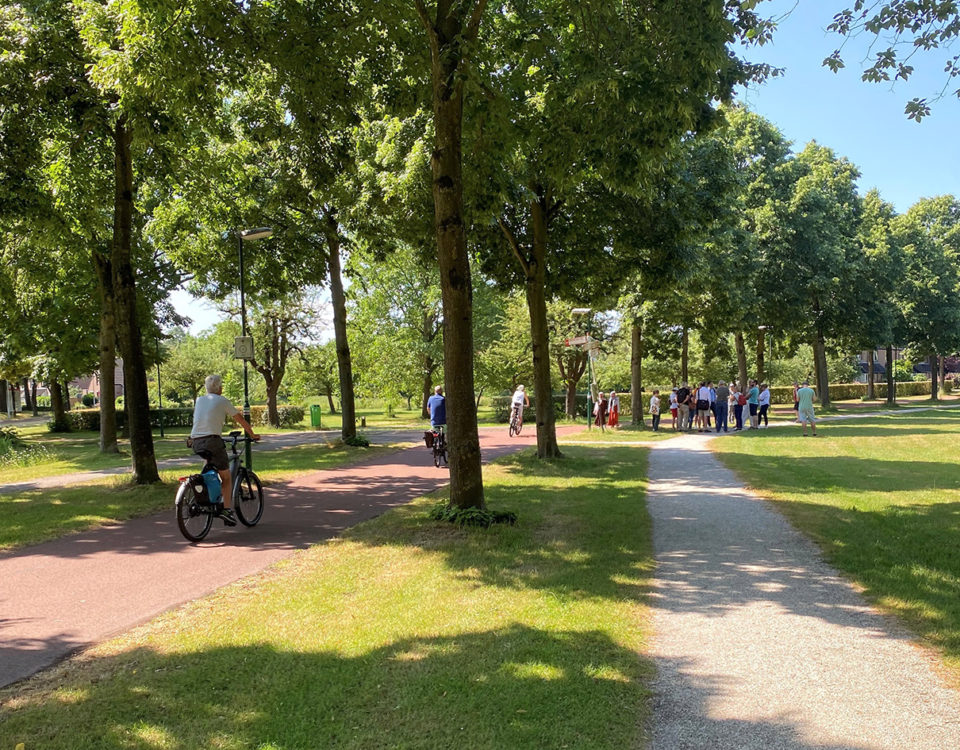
(214, 445)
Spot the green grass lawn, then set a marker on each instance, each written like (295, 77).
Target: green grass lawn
(882, 498)
(404, 633)
(37, 515)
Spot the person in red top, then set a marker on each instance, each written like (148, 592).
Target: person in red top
(613, 407)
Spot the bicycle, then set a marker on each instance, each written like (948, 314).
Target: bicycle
(195, 511)
(516, 420)
(439, 445)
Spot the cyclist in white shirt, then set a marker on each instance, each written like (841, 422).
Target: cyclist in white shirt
(209, 413)
(520, 398)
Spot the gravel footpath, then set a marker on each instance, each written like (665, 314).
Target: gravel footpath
(759, 643)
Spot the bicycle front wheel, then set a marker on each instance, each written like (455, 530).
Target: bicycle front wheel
(193, 519)
(519, 425)
(248, 500)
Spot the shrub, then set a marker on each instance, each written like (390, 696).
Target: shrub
(358, 441)
(88, 399)
(88, 420)
(288, 415)
(480, 517)
(502, 405)
(17, 452)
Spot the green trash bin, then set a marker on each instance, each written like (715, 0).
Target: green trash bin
(315, 416)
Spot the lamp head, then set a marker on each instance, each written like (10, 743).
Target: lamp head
(258, 233)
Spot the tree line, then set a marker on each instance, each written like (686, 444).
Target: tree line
(580, 151)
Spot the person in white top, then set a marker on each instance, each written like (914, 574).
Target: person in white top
(655, 409)
(764, 402)
(209, 413)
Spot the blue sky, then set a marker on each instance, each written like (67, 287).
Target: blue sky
(864, 122)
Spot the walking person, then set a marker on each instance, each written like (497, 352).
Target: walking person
(703, 407)
(613, 407)
(753, 403)
(655, 409)
(683, 396)
(764, 402)
(731, 403)
(674, 408)
(720, 406)
(600, 412)
(805, 413)
(739, 407)
(796, 401)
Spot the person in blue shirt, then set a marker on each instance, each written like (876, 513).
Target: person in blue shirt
(437, 406)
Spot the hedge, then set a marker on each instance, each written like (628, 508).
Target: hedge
(88, 420)
(287, 414)
(501, 407)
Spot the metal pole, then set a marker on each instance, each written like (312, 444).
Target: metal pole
(248, 455)
(159, 389)
(589, 378)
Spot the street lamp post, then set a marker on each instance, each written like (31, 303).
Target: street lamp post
(159, 390)
(244, 235)
(586, 311)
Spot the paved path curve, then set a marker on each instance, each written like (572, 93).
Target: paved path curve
(63, 595)
(759, 643)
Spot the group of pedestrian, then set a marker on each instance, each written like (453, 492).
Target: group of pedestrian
(606, 412)
(711, 408)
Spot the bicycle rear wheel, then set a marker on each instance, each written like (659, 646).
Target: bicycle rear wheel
(248, 500)
(193, 519)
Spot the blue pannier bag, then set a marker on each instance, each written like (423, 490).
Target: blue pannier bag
(212, 479)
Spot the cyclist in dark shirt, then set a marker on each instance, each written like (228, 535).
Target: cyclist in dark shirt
(437, 406)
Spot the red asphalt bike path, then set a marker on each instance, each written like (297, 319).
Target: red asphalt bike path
(68, 594)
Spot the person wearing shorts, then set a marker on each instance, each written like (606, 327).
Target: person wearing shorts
(703, 407)
(674, 407)
(805, 408)
(753, 402)
(209, 413)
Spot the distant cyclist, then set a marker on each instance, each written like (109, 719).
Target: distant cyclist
(209, 414)
(437, 406)
(520, 400)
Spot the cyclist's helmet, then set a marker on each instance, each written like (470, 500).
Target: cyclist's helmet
(519, 387)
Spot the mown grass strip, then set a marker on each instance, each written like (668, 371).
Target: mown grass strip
(404, 633)
(882, 499)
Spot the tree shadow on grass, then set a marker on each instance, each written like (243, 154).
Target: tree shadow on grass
(510, 688)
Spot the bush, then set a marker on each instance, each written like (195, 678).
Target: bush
(502, 405)
(16, 452)
(88, 399)
(88, 420)
(358, 441)
(849, 391)
(287, 414)
(480, 517)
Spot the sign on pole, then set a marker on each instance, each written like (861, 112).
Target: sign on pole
(243, 347)
(576, 341)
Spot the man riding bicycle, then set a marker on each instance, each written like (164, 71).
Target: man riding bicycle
(520, 400)
(437, 406)
(209, 414)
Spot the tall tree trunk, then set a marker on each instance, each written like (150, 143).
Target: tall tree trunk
(741, 358)
(348, 428)
(27, 400)
(273, 415)
(56, 403)
(33, 398)
(761, 352)
(636, 374)
(942, 372)
(891, 385)
(536, 290)
(820, 361)
(870, 375)
(67, 406)
(570, 407)
(108, 355)
(4, 389)
(330, 404)
(684, 355)
(136, 398)
(428, 367)
(447, 36)
(934, 396)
